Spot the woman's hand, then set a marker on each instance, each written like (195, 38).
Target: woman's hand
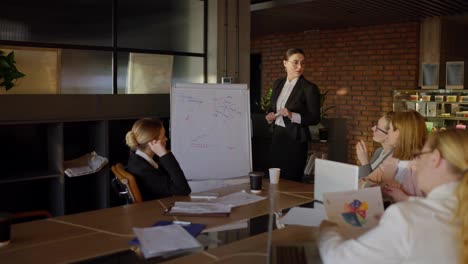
(396, 193)
(285, 112)
(270, 117)
(158, 147)
(362, 153)
(327, 224)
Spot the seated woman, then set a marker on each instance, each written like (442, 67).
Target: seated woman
(433, 229)
(407, 135)
(155, 179)
(380, 135)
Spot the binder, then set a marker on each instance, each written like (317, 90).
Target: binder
(193, 229)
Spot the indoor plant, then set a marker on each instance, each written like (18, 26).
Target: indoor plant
(8, 70)
(324, 109)
(265, 101)
(322, 129)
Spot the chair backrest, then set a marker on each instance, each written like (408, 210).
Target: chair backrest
(128, 180)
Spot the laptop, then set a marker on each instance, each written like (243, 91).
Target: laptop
(334, 176)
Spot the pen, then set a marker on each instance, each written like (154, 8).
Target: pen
(181, 222)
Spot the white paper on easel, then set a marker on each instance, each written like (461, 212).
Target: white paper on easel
(305, 216)
(355, 212)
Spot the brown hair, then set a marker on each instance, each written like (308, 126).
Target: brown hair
(453, 147)
(291, 52)
(143, 131)
(413, 133)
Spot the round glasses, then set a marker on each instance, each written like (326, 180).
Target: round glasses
(297, 63)
(379, 129)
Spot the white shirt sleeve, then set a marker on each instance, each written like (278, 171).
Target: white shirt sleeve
(296, 118)
(388, 242)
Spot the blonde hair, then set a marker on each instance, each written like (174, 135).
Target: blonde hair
(388, 116)
(143, 131)
(453, 146)
(413, 133)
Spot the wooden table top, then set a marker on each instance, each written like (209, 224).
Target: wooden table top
(103, 232)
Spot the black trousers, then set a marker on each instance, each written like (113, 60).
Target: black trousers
(288, 154)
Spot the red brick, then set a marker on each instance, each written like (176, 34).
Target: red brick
(371, 61)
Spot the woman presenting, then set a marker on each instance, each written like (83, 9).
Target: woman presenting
(295, 105)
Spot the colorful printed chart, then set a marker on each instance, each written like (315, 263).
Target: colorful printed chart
(355, 213)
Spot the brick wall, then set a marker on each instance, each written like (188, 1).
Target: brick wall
(369, 62)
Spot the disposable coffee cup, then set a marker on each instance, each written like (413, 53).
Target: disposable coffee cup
(274, 175)
(256, 181)
(5, 228)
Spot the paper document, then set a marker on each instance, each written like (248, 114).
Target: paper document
(238, 199)
(195, 208)
(232, 226)
(204, 195)
(87, 164)
(165, 241)
(354, 211)
(305, 216)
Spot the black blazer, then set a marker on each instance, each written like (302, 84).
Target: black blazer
(304, 100)
(154, 183)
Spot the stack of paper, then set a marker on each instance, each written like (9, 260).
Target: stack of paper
(238, 199)
(305, 216)
(195, 208)
(165, 241)
(87, 164)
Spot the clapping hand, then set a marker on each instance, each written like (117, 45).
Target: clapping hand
(362, 153)
(396, 193)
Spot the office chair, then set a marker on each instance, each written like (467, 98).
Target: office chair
(125, 185)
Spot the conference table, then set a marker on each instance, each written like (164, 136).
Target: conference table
(94, 234)
(254, 249)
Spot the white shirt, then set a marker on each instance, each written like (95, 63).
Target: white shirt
(147, 158)
(420, 230)
(402, 170)
(281, 102)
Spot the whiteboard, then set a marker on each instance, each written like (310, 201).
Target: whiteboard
(210, 130)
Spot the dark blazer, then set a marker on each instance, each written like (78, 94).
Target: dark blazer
(154, 183)
(304, 100)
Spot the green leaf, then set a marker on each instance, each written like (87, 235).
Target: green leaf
(4, 63)
(8, 70)
(11, 57)
(8, 85)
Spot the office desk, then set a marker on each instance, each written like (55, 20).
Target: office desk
(253, 249)
(103, 232)
(120, 220)
(46, 241)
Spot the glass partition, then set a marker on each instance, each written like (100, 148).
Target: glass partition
(86, 72)
(175, 25)
(185, 69)
(85, 22)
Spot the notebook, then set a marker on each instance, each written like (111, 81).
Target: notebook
(333, 176)
(193, 229)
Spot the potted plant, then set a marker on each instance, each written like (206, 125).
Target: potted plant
(8, 71)
(320, 131)
(265, 101)
(324, 109)
(323, 129)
